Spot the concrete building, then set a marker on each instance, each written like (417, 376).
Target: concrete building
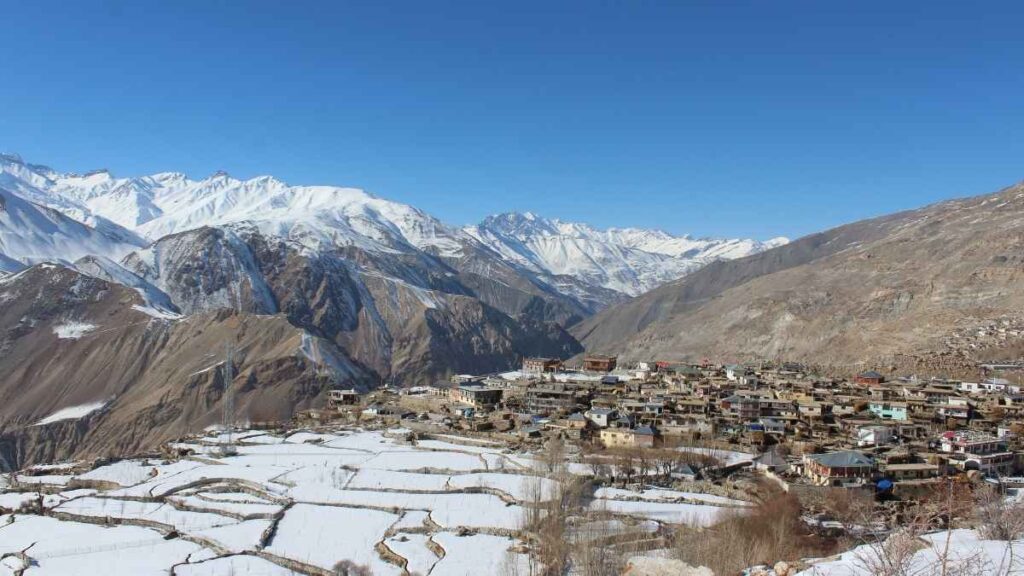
(874, 436)
(640, 437)
(476, 395)
(547, 398)
(602, 417)
(970, 450)
(889, 410)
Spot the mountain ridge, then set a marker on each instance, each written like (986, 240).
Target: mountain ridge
(591, 266)
(627, 260)
(892, 291)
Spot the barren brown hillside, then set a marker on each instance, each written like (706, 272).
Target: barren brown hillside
(915, 285)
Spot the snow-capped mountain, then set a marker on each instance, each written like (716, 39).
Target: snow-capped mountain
(170, 202)
(379, 283)
(626, 260)
(312, 283)
(30, 233)
(592, 267)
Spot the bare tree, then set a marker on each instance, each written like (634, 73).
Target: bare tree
(349, 568)
(770, 531)
(906, 552)
(1000, 519)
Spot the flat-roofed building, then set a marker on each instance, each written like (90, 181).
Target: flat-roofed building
(338, 398)
(544, 398)
(476, 395)
(599, 363)
(640, 437)
(541, 365)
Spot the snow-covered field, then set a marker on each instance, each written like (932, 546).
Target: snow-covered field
(958, 551)
(300, 504)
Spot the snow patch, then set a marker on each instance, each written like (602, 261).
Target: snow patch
(157, 313)
(72, 413)
(73, 330)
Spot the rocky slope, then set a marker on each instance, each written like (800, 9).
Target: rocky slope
(69, 340)
(864, 293)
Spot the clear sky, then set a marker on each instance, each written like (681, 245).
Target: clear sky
(756, 118)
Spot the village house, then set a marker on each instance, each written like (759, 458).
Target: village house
(602, 417)
(740, 407)
(957, 408)
(874, 436)
(538, 366)
(338, 398)
(476, 395)
(839, 468)
(814, 410)
(599, 363)
(771, 461)
(990, 386)
(640, 437)
(547, 398)
(970, 450)
(869, 377)
(909, 471)
(377, 409)
(889, 410)
(442, 389)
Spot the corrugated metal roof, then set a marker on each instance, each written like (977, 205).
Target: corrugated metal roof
(846, 459)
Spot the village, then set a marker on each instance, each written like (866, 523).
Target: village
(649, 469)
(898, 435)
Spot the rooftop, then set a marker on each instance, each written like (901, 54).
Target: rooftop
(846, 459)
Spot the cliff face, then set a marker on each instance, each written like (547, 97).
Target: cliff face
(408, 317)
(871, 292)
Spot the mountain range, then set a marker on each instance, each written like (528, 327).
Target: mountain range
(124, 291)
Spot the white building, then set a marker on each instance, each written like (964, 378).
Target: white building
(874, 435)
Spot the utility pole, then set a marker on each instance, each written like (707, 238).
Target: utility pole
(228, 405)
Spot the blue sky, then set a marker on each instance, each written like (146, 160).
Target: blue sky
(714, 118)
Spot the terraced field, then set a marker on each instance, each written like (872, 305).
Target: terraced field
(301, 504)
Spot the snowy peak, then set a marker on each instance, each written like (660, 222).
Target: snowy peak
(30, 233)
(520, 226)
(169, 202)
(626, 260)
